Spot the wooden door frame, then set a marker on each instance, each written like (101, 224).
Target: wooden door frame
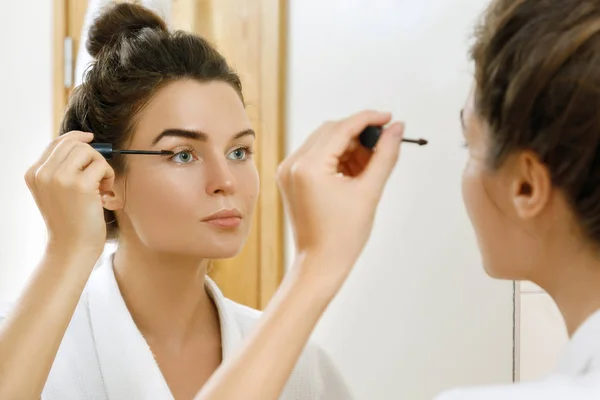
(269, 212)
(273, 95)
(58, 74)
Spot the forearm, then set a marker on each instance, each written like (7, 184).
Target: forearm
(32, 333)
(262, 367)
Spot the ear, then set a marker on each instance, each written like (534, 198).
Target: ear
(531, 186)
(113, 197)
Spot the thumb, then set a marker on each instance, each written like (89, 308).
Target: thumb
(384, 158)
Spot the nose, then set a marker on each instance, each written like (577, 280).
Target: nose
(220, 180)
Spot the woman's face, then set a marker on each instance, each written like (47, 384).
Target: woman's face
(499, 203)
(200, 201)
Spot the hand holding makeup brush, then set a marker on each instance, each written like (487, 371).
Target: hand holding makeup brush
(331, 189)
(67, 182)
(332, 186)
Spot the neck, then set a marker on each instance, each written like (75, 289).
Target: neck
(573, 281)
(164, 293)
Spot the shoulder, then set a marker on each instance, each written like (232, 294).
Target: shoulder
(315, 375)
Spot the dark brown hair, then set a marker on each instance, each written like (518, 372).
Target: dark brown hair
(537, 69)
(135, 56)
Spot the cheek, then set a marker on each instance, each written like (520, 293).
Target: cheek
(248, 185)
(480, 209)
(157, 195)
(471, 192)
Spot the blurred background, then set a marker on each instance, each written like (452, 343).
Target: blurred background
(418, 314)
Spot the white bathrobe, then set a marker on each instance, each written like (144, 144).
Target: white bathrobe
(104, 356)
(577, 376)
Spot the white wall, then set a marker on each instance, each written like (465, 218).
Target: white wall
(418, 315)
(542, 334)
(26, 115)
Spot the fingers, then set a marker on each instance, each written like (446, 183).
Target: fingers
(59, 152)
(349, 165)
(354, 167)
(89, 165)
(80, 156)
(74, 135)
(347, 131)
(68, 165)
(62, 151)
(356, 160)
(383, 159)
(362, 156)
(98, 175)
(286, 167)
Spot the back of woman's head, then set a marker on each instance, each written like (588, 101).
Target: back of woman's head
(538, 89)
(135, 56)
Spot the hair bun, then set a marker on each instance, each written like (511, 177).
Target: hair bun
(118, 20)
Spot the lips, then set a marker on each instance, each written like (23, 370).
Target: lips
(225, 218)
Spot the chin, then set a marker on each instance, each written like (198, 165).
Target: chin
(501, 271)
(215, 250)
(214, 245)
(220, 252)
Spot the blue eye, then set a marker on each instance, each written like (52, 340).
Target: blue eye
(183, 157)
(239, 154)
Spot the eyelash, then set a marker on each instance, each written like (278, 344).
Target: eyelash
(246, 149)
(181, 151)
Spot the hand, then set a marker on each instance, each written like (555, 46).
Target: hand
(331, 188)
(67, 183)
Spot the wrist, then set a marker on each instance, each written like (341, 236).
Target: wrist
(70, 253)
(321, 273)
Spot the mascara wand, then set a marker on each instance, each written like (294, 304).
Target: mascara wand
(370, 135)
(107, 151)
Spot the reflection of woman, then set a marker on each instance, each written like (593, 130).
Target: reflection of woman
(531, 187)
(154, 326)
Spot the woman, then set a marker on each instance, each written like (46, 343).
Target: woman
(147, 323)
(531, 187)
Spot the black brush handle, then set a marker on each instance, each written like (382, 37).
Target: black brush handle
(369, 136)
(105, 149)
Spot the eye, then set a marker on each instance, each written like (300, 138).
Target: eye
(239, 154)
(184, 157)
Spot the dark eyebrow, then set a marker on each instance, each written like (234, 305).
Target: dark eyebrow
(462, 119)
(247, 132)
(183, 133)
(195, 135)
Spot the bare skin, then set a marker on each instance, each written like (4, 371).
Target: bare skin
(316, 197)
(167, 235)
(525, 229)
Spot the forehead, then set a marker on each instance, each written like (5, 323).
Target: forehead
(211, 107)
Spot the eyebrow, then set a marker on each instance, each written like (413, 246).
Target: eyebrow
(196, 135)
(462, 118)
